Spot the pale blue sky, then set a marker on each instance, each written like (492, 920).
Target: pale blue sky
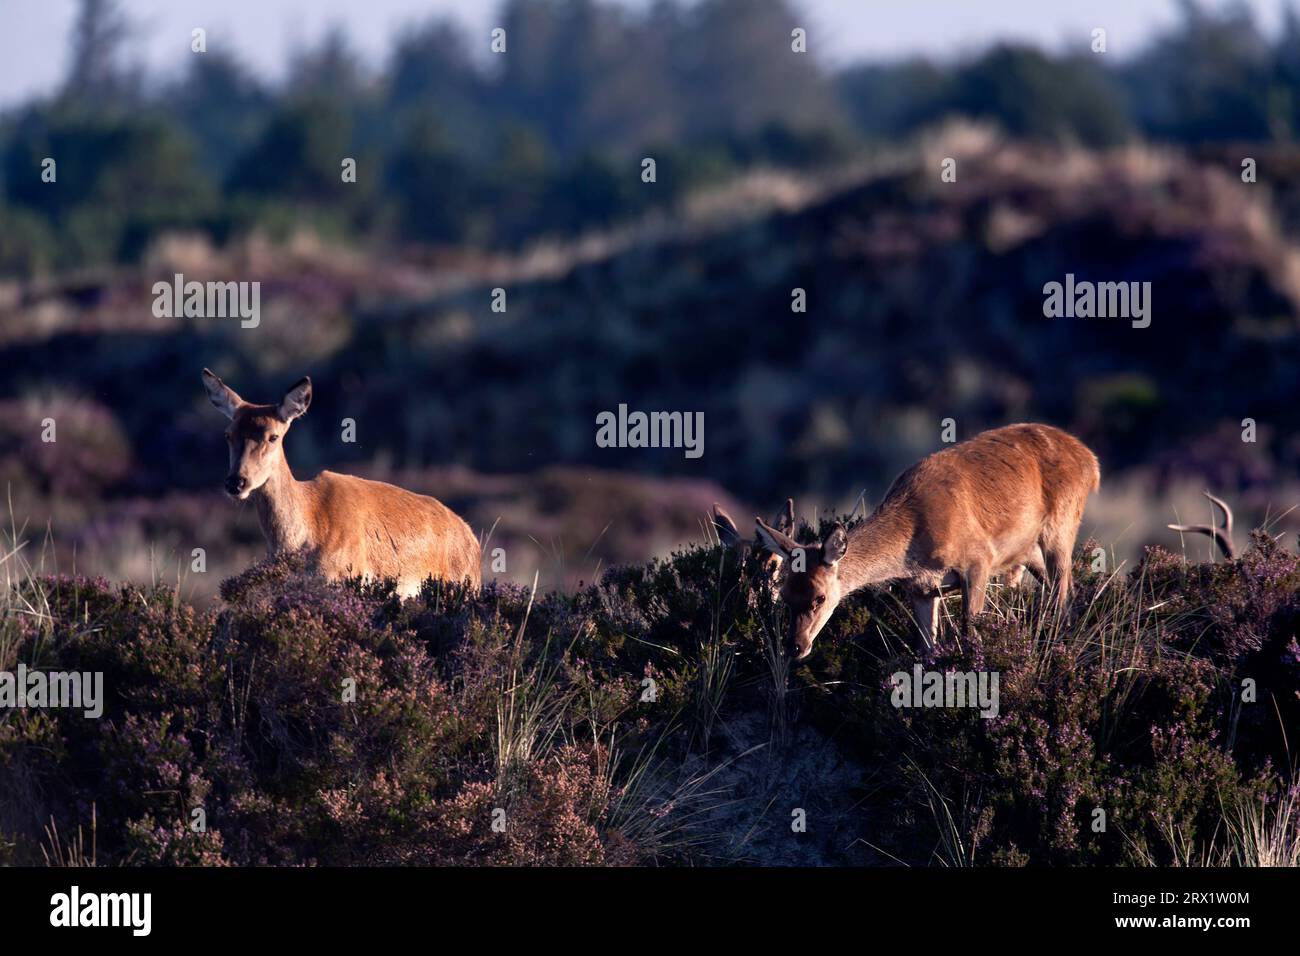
(33, 33)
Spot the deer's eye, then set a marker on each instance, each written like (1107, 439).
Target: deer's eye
(272, 437)
(818, 601)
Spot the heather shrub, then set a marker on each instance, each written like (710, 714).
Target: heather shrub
(303, 721)
(550, 817)
(1118, 714)
(142, 757)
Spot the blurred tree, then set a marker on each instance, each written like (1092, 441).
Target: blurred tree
(430, 69)
(454, 147)
(517, 183)
(329, 71)
(596, 78)
(591, 191)
(893, 99)
(737, 71)
(1208, 79)
(438, 189)
(117, 179)
(222, 106)
(1284, 94)
(297, 158)
(27, 244)
(560, 52)
(97, 76)
(623, 81)
(1033, 95)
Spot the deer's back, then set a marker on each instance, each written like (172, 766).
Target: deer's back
(998, 490)
(384, 531)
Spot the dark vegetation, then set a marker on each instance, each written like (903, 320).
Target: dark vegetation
(460, 147)
(536, 705)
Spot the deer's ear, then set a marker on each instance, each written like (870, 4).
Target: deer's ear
(225, 398)
(785, 519)
(775, 541)
(728, 533)
(295, 401)
(835, 545)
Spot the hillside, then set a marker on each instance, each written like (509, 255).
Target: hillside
(925, 302)
(648, 719)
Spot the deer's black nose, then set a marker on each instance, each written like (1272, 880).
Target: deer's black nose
(236, 483)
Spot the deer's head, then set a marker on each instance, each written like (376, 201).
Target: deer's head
(810, 586)
(256, 432)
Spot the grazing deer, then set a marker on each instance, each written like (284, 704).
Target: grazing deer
(350, 527)
(730, 537)
(1221, 533)
(1007, 499)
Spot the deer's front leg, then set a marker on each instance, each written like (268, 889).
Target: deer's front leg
(925, 607)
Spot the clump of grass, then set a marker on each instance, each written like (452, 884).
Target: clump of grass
(73, 854)
(714, 666)
(24, 604)
(530, 706)
(1264, 831)
(665, 811)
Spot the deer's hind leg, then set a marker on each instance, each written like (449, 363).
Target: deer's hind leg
(1057, 545)
(974, 587)
(1036, 565)
(1033, 563)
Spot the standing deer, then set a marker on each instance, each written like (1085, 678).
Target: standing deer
(350, 527)
(1007, 499)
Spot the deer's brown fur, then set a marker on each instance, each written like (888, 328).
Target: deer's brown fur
(1006, 500)
(348, 526)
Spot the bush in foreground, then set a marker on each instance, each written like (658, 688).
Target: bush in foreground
(307, 722)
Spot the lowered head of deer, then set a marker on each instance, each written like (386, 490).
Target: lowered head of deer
(255, 433)
(1009, 498)
(811, 586)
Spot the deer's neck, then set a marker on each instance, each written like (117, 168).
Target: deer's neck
(877, 551)
(282, 510)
